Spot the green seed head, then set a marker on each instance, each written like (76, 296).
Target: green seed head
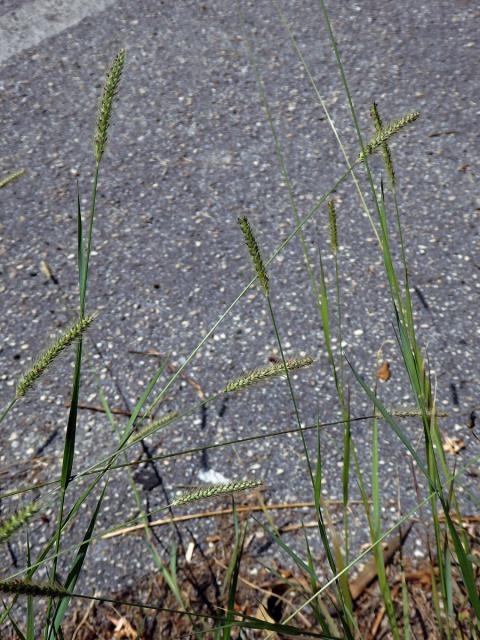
(332, 219)
(110, 90)
(387, 132)
(216, 490)
(387, 156)
(254, 253)
(46, 359)
(29, 588)
(258, 375)
(15, 522)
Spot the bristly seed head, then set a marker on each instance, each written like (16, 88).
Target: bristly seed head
(29, 588)
(110, 89)
(387, 132)
(216, 490)
(258, 375)
(46, 359)
(152, 427)
(332, 219)
(15, 522)
(254, 253)
(387, 156)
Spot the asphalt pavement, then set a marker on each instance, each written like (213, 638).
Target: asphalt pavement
(190, 150)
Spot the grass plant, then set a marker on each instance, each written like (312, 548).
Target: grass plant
(324, 590)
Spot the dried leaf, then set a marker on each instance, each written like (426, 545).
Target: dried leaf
(123, 629)
(383, 372)
(453, 445)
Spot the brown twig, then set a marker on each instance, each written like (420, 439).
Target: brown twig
(369, 572)
(210, 514)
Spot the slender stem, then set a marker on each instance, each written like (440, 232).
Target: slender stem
(8, 408)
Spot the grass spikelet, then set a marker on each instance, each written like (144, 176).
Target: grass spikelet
(46, 359)
(258, 375)
(216, 490)
(29, 588)
(11, 177)
(387, 132)
(153, 426)
(254, 253)
(332, 219)
(387, 157)
(15, 522)
(110, 89)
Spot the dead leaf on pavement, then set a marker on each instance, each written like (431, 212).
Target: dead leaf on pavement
(453, 445)
(383, 372)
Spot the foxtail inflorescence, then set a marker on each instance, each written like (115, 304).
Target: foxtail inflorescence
(216, 490)
(153, 426)
(387, 132)
(254, 253)
(387, 156)
(110, 89)
(258, 375)
(332, 220)
(15, 522)
(29, 588)
(46, 359)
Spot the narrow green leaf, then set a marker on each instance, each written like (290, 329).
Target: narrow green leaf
(390, 421)
(465, 565)
(80, 253)
(30, 604)
(13, 623)
(76, 568)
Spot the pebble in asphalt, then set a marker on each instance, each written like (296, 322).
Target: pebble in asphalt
(190, 150)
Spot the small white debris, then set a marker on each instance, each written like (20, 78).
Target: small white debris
(212, 477)
(189, 554)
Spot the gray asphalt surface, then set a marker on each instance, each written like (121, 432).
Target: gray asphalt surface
(190, 150)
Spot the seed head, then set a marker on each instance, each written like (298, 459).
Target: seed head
(254, 253)
(110, 89)
(258, 375)
(152, 427)
(387, 156)
(15, 522)
(29, 588)
(216, 490)
(332, 219)
(46, 359)
(387, 132)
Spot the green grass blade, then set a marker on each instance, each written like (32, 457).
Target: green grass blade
(15, 626)
(233, 573)
(76, 568)
(30, 604)
(465, 563)
(80, 250)
(390, 421)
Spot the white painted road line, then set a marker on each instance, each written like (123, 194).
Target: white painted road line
(33, 22)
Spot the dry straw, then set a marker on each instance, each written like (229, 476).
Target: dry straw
(387, 157)
(46, 359)
(258, 375)
(15, 522)
(29, 588)
(216, 490)
(110, 89)
(154, 426)
(254, 253)
(387, 132)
